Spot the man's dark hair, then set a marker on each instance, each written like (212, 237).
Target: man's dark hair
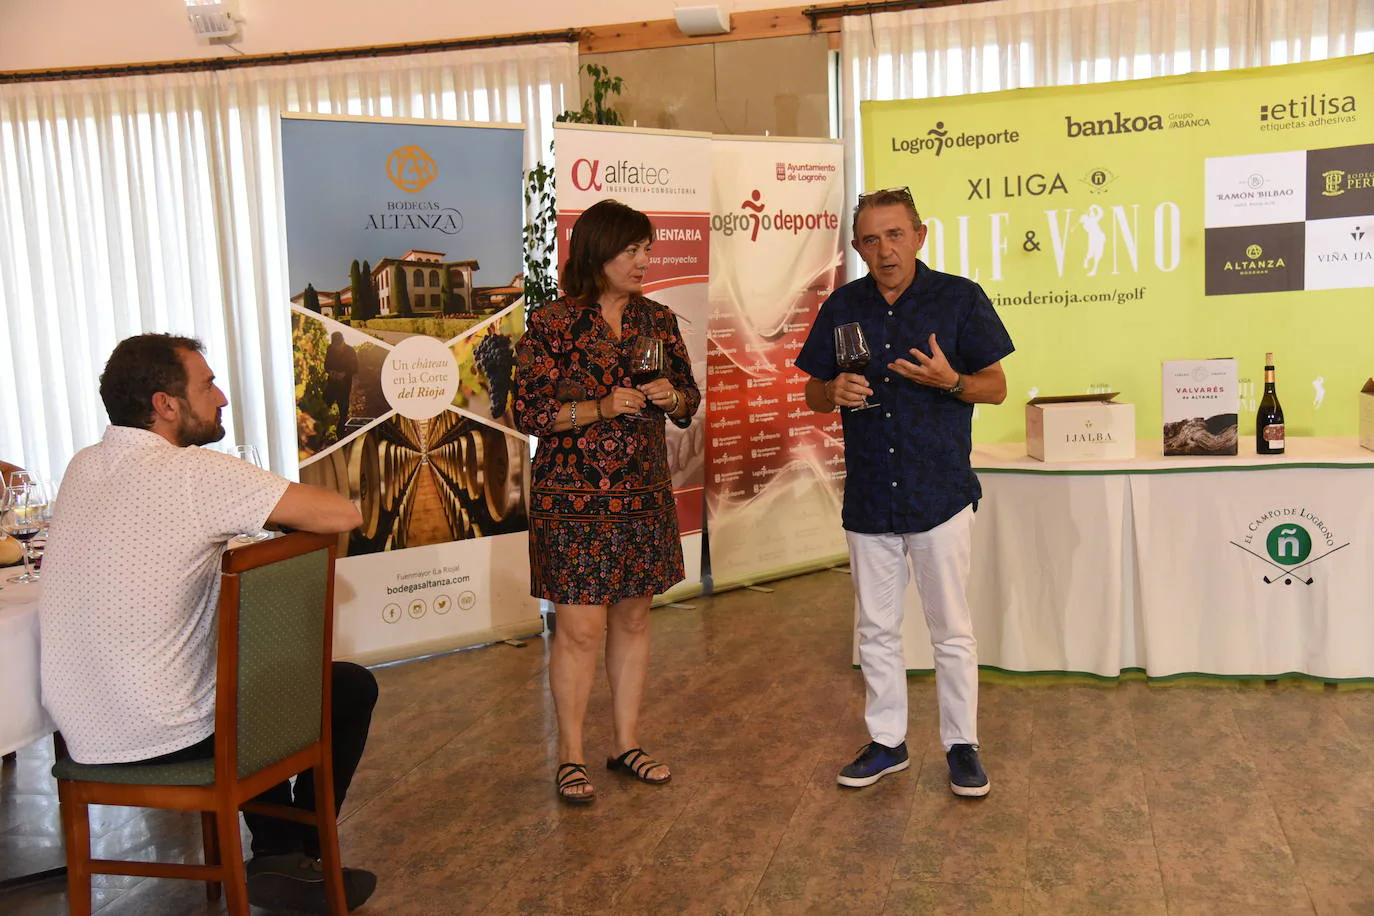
(139, 368)
(603, 230)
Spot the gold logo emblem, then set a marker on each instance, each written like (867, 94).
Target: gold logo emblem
(410, 169)
(1333, 180)
(1254, 251)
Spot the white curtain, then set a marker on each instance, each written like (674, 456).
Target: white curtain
(1018, 44)
(154, 203)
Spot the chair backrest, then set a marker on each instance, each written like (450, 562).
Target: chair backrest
(276, 622)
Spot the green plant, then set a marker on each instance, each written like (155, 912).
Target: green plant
(541, 208)
(595, 108)
(541, 247)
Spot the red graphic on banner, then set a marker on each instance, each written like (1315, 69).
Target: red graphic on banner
(759, 423)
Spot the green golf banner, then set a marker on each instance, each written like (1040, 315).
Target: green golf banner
(1115, 226)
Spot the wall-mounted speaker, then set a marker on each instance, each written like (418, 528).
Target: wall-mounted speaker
(702, 20)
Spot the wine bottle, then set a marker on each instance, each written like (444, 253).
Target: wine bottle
(1269, 417)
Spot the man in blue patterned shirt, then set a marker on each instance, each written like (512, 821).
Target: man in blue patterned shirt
(936, 345)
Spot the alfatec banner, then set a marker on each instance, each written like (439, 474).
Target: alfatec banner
(666, 175)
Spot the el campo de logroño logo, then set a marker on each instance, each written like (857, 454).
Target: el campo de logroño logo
(1290, 542)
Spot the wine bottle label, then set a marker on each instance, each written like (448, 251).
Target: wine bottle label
(1273, 434)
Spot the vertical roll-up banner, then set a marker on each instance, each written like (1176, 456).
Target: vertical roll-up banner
(1119, 225)
(774, 469)
(404, 242)
(666, 175)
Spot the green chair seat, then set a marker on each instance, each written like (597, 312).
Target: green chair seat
(190, 773)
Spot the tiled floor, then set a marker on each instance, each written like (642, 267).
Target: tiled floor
(1216, 799)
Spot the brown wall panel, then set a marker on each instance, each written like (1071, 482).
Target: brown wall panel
(776, 85)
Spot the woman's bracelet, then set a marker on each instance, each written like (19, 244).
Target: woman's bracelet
(572, 415)
(599, 414)
(677, 402)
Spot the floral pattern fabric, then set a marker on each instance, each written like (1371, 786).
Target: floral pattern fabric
(603, 522)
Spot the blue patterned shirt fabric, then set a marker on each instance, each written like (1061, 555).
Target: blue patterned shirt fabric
(907, 460)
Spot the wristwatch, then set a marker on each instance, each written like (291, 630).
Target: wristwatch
(957, 388)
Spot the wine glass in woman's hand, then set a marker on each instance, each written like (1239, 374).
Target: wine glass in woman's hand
(852, 354)
(645, 362)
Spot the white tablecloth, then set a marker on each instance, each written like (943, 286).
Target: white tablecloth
(1165, 564)
(22, 717)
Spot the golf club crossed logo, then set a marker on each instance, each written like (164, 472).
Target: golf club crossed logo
(1288, 549)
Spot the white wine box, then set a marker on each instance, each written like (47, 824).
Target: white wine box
(1201, 407)
(1367, 415)
(1080, 427)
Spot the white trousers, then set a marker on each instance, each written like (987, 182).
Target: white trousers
(939, 561)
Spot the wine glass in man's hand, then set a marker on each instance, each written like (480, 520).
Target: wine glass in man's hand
(852, 354)
(645, 363)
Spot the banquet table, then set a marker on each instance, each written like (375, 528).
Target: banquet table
(1241, 566)
(24, 720)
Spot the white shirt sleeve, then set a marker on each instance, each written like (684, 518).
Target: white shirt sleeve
(231, 496)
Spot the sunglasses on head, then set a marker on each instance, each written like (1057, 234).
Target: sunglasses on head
(901, 192)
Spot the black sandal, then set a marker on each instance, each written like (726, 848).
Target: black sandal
(638, 764)
(575, 777)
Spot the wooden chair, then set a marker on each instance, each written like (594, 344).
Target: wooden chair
(272, 714)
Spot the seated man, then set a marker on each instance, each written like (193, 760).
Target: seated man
(131, 586)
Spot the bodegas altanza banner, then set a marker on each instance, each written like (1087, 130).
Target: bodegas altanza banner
(666, 175)
(774, 469)
(1116, 226)
(404, 250)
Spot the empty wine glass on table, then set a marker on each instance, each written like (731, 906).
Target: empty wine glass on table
(852, 354)
(249, 453)
(645, 364)
(25, 512)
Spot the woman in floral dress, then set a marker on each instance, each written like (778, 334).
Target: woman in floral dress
(603, 522)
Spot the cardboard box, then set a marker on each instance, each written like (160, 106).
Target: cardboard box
(1201, 407)
(1367, 415)
(1080, 427)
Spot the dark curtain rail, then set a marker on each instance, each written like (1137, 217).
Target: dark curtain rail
(287, 57)
(817, 13)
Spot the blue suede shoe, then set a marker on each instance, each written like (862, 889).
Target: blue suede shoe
(966, 776)
(873, 763)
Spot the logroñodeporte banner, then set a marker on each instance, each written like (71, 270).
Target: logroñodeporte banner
(1116, 226)
(404, 251)
(775, 469)
(667, 175)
